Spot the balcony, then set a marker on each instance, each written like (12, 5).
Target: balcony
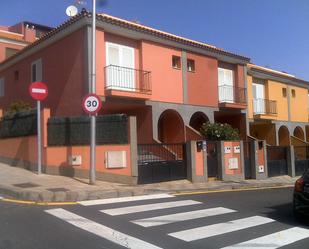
(264, 108)
(232, 97)
(127, 82)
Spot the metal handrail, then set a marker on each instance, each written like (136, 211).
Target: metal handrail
(264, 106)
(127, 79)
(232, 94)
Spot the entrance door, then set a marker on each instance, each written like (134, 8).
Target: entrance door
(226, 85)
(258, 98)
(120, 72)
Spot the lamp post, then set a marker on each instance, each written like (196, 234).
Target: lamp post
(92, 170)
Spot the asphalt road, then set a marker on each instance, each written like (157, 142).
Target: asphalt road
(214, 220)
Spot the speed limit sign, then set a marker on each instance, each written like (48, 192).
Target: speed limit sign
(92, 104)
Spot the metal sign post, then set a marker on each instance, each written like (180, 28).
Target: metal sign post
(93, 90)
(92, 105)
(39, 91)
(39, 137)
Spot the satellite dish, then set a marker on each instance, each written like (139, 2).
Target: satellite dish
(71, 11)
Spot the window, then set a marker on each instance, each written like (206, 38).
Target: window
(284, 92)
(225, 77)
(190, 65)
(10, 52)
(226, 85)
(293, 93)
(36, 71)
(120, 68)
(176, 62)
(258, 91)
(1, 87)
(16, 75)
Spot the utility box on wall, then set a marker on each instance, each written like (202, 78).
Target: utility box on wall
(115, 159)
(232, 161)
(75, 160)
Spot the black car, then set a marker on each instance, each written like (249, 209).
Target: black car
(301, 196)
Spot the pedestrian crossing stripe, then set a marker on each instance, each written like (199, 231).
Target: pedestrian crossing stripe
(148, 207)
(220, 228)
(124, 199)
(184, 216)
(274, 240)
(100, 230)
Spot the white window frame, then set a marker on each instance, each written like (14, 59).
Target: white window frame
(38, 72)
(2, 87)
(258, 102)
(226, 95)
(114, 81)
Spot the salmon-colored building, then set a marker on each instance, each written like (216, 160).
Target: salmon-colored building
(15, 38)
(171, 84)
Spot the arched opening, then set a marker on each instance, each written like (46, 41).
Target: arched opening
(299, 133)
(171, 127)
(284, 136)
(307, 133)
(197, 120)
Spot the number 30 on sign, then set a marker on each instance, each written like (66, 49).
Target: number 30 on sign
(92, 104)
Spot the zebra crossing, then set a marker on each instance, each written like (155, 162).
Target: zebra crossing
(128, 208)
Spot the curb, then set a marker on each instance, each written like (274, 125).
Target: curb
(72, 197)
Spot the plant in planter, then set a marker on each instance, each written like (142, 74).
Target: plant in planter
(17, 106)
(219, 132)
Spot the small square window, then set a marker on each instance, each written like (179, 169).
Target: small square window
(293, 93)
(16, 75)
(284, 92)
(1, 87)
(190, 65)
(176, 62)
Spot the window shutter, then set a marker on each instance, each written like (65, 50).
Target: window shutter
(127, 57)
(220, 76)
(113, 55)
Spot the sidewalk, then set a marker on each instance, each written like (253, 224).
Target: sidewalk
(26, 185)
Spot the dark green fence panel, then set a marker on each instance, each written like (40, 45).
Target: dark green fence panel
(110, 129)
(19, 124)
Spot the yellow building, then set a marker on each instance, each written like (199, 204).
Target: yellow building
(277, 106)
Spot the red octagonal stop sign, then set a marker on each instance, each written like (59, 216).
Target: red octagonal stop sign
(38, 90)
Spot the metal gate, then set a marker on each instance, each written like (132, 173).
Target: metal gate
(277, 160)
(161, 162)
(301, 154)
(212, 159)
(248, 146)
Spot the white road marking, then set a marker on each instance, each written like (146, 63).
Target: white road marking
(101, 230)
(148, 207)
(274, 240)
(124, 199)
(38, 90)
(166, 219)
(220, 228)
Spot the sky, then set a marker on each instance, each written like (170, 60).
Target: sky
(273, 33)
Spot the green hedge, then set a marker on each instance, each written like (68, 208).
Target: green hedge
(67, 131)
(19, 124)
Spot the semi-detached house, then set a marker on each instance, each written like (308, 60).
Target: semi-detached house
(171, 84)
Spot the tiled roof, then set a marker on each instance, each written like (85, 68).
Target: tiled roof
(129, 25)
(266, 70)
(165, 35)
